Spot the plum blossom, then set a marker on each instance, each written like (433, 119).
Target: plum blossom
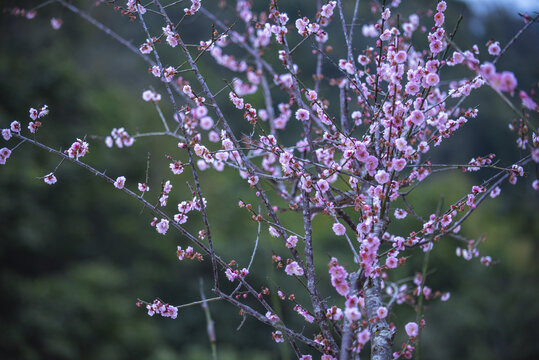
(494, 48)
(382, 177)
(339, 229)
(165, 310)
(120, 182)
(195, 6)
(56, 23)
(150, 95)
(302, 115)
(291, 241)
(381, 312)
(146, 48)
(273, 232)
(294, 269)
(143, 187)
(6, 134)
(15, 127)
(5, 153)
(162, 226)
(277, 336)
(78, 149)
(168, 74)
(412, 329)
(272, 317)
(391, 262)
(50, 179)
(338, 277)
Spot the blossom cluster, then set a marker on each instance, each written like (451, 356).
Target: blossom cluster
(355, 169)
(158, 307)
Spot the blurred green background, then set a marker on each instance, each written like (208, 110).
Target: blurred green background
(74, 257)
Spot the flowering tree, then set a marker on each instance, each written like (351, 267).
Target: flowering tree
(351, 148)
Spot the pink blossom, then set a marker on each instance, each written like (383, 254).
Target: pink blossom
(146, 47)
(56, 23)
(386, 14)
(43, 111)
(293, 269)
(412, 329)
(327, 10)
(527, 101)
(494, 48)
(470, 201)
(400, 57)
(150, 95)
(162, 226)
(277, 336)
(446, 220)
(301, 25)
(206, 123)
(352, 313)
(5, 153)
(15, 127)
(291, 241)
(6, 134)
(311, 95)
(237, 101)
(363, 337)
(386, 35)
(323, 185)
(382, 177)
(381, 312)
(165, 310)
(230, 275)
(432, 79)
(371, 163)
(391, 262)
(308, 317)
(33, 113)
(412, 88)
(302, 115)
(439, 19)
(78, 149)
(441, 6)
(32, 127)
(243, 272)
(167, 187)
(252, 180)
(339, 229)
(272, 317)
(423, 147)
(508, 81)
(168, 74)
(273, 232)
(156, 71)
(195, 6)
(399, 164)
(120, 182)
(334, 313)
(436, 46)
(143, 187)
(50, 179)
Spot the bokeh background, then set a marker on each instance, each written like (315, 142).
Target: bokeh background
(75, 257)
